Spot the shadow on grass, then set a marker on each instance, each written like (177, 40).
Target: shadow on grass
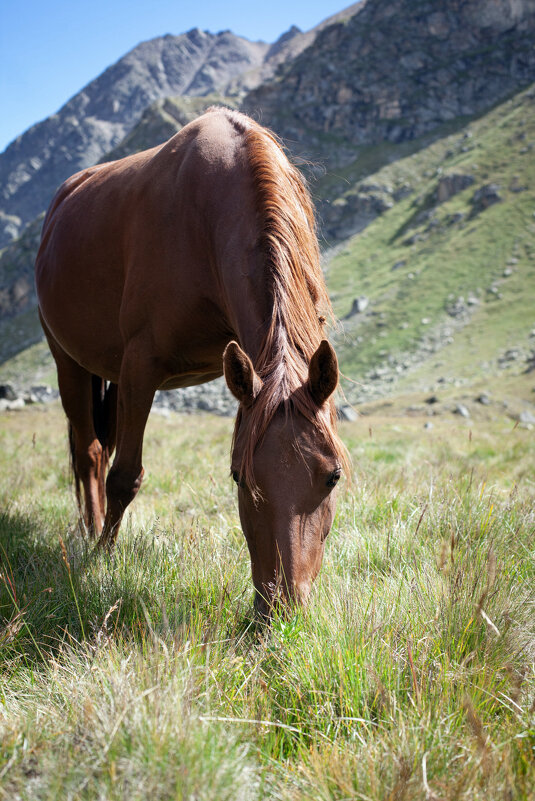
(55, 591)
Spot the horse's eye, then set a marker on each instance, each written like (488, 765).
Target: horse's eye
(334, 478)
(236, 476)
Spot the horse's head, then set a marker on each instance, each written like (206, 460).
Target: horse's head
(287, 514)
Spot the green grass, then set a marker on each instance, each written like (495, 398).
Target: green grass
(452, 258)
(411, 675)
(33, 365)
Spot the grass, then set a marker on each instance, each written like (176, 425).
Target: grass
(410, 676)
(454, 253)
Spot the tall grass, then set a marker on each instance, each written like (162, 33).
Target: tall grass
(411, 675)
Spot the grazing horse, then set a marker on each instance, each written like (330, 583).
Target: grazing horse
(168, 268)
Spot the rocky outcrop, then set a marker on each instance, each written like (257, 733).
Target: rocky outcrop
(397, 69)
(485, 196)
(450, 185)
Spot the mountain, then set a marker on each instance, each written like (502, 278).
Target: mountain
(395, 70)
(95, 120)
(419, 136)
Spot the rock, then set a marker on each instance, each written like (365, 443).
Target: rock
(461, 409)
(526, 417)
(213, 397)
(398, 264)
(432, 399)
(450, 185)
(347, 413)
(353, 211)
(7, 392)
(457, 308)
(428, 425)
(510, 355)
(11, 405)
(412, 240)
(42, 393)
(484, 399)
(359, 305)
(484, 197)
(453, 219)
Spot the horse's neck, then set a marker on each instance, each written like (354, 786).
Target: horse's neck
(250, 298)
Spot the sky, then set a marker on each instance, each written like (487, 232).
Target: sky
(50, 49)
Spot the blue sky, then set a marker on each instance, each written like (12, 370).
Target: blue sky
(49, 49)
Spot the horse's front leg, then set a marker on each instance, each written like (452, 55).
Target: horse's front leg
(138, 382)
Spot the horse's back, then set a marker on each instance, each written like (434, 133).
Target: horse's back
(132, 244)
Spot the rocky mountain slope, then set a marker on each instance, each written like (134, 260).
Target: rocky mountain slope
(94, 121)
(98, 117)
(397, 69)
(436, 295)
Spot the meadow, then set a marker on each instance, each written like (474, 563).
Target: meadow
(411, 674)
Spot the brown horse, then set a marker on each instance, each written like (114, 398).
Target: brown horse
(151, 270)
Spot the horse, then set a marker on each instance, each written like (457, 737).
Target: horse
(169, 268)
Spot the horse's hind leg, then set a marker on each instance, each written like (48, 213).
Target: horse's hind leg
(89, 459)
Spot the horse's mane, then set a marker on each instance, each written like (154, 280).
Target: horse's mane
(301, 304)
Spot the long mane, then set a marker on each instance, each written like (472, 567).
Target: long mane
(300, 303)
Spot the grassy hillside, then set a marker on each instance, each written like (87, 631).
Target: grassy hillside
(450, 285)
(141, 675)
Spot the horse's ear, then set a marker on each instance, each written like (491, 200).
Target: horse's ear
(240, 374)
(323, 373)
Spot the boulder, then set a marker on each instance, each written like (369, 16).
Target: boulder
(461, 409)
(347, 413)
(450, 185)
(484, 197)
(7, 392)
(359, 305)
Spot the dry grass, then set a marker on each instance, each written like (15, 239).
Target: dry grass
(411, 676)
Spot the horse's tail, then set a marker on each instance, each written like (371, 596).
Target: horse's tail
(104, 412)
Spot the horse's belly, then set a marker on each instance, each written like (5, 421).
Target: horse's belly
(82, 323)
(192, 379)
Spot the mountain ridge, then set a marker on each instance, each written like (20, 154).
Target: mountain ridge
(102, 113)
(452, 58)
